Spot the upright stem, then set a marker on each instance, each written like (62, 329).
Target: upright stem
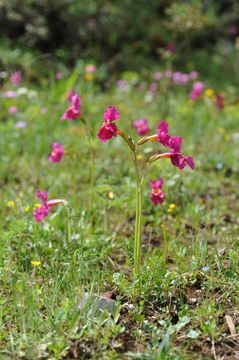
(138, 228)
(92, 163)
(138, 217)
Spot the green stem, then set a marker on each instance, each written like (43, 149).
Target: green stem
(92, 163)
(68, 223)
(138, 228)
(138, 213)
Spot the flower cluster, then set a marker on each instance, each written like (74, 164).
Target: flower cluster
(174, 144)
(177, 77)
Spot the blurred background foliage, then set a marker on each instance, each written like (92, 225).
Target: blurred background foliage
(124, 34)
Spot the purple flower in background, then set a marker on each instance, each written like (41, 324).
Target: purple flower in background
(20, 125)
(9, 94)
(193, 75)
(121, 84)
(157, 75)
(141, 126)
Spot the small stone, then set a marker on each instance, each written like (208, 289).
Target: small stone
(97, 302)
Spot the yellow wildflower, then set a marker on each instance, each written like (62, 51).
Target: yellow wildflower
(37, 206)
(11, 203)
(209, 93)
(35, 262)
(111, 195)
(139, 157)
(27, 208)
(171, 207)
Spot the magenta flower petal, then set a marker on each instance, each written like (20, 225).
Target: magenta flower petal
(56, 153)
(109, 129)
(197, 89)
(107, 133)
(42, 195)
(163, 136)
(41, 213)
(73, 111)
(174, 143)
(189, 160)
(111, 114)
(179, 161)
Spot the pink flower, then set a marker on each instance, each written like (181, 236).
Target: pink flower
(157, 75)
(16, 78)
(141, 126)
(73, 111)
(180, 78)
(56, 153)
(156, 196)
(59, 75)
(44, 209)
(219, 102)
(109, 129)
(90, 68)
(12, 110)
(44, 110)
(168, 74)
(46, 205)
(174, 144)
(121, 84)
(193, 75)
(196, 90)
(153, 87)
